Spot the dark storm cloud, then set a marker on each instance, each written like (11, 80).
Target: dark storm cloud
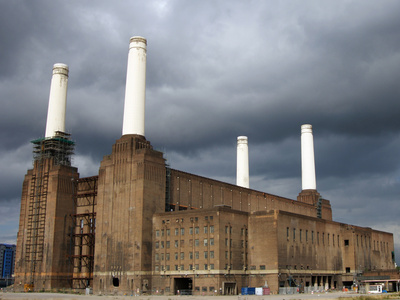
(214, 72)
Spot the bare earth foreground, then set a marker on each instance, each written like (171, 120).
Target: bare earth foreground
(37, 296)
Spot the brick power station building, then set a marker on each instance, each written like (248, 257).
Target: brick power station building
(140, 226)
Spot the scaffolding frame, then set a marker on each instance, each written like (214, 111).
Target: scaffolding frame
(83, 232)
(55, 150)
(59, 147)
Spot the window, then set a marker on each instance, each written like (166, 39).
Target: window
(166, 256)
(162, 244)
(205, 254)
(176, 231)
(162, 232)
(262, 267)
(301, 231)
(205, 267)
(196, 230)
(157, 233)
(226, 229)
(190, 267)
(211, 228)
(157, 245)
(226, 242)
(196, 254)
(211, 266)
(294, 234)
(347, 270)
(211, 242)
(346, 242)
(176, 267)
(205, 242)
(168, 244)
(182, 255)
(157, 256)
(211, 254)
(226, 254)
(205, 229)
(167, 267)
(176, 244)
(312, 236)
(196, 242)
(176, 255)
(287, 233)
(162, 256)
(196, 266)
(191, 230)
(157, 268)
(182, 231)
(211, 218)
(204, 288)
(306, 235)
(190, 255)
(168, 232)
(182, 243)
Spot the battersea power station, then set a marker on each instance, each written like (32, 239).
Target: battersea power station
(142, 227)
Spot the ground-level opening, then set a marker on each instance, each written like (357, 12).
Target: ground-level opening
(230, 288)
(348, 284)
(183, 286)
(115, 281)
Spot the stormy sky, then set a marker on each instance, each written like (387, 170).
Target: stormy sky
(216, 70)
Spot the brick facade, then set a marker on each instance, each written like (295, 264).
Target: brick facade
(158, 230)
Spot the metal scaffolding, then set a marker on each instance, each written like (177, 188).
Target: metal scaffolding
(46, 152)
(59, 147)
(83, 232)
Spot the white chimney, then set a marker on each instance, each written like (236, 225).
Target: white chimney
(57, 100)
(307, 158)
(135, 90)
(242, 164)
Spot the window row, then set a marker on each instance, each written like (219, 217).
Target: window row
(181, 231)
(182, 267)
(192, 219)
(181, 243)
(181, 255)
(306, 236)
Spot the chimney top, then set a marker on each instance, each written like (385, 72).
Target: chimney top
(60, 68)
(306, 128)
(242, 139)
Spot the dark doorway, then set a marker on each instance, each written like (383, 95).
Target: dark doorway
(183, 286)
(229, 288)
(115, 281)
